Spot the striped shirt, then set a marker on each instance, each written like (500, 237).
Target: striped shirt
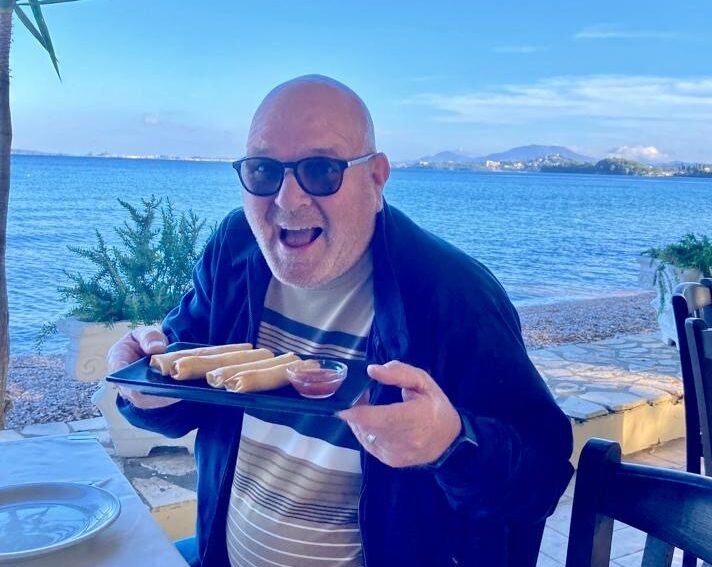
(294, 497)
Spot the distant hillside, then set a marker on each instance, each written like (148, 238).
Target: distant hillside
(101, 155)
(447, 157)
(607, 166)
(619, 166)
(534, 152)
(19, 152)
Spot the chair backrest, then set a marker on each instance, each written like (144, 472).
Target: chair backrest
(673, 507)
(691, 300)
(699, 338)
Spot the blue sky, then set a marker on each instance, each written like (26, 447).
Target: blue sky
(182, 78)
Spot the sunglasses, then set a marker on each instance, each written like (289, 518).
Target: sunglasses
(319, 176)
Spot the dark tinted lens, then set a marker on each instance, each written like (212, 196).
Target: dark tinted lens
(261, 176)
(320, 176)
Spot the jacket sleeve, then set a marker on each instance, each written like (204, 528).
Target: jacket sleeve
(520, 466)
(172, 421)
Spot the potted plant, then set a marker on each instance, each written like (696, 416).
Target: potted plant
(688, 259)
(134, 282)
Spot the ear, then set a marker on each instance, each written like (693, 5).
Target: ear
(380, 172)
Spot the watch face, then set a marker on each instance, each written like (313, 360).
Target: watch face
(459, 457)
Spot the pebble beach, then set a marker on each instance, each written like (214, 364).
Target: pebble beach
(42, 392)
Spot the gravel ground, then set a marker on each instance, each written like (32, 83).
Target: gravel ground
(588, 320)
(42, 392)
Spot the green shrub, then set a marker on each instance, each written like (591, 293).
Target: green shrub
(144, 277)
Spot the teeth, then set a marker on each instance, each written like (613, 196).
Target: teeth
(299, 238)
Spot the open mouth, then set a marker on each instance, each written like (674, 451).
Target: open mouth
(297, 238)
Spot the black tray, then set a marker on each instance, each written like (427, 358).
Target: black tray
(140, 376)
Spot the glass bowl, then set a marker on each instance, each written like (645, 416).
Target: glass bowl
(316, 378)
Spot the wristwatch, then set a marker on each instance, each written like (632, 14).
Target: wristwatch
(466, 438)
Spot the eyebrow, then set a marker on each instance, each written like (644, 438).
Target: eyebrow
(324, 151)
(329, 152)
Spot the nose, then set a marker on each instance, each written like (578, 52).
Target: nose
(291, 196)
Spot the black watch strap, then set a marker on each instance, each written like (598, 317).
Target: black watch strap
(466, 437)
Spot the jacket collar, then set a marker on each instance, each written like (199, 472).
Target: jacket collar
(390, 320)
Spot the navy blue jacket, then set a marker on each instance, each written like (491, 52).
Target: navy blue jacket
(435, 308)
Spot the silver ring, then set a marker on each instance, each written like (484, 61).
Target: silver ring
(370, 438)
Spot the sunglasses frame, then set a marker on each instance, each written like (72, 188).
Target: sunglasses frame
(342, 164)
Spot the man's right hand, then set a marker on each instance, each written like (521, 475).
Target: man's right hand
(132, 346)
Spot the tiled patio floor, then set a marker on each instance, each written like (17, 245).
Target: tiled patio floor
(627, 388)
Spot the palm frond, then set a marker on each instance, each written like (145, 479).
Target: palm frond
(29, 25)
(42, 2)
(42, 27)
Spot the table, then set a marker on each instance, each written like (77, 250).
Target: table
(133, 539)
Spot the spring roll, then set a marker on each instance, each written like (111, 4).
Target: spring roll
(217, 378)
(259, 380)
(190, 367)
(164, 362)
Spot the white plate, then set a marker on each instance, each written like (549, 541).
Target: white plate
(43, 517)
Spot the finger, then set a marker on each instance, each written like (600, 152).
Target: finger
(364, 399)
(371, 418)
(362, 437)
(117, 363)
(395, 373)
(152, 340)
(145, 401)
(123, 353)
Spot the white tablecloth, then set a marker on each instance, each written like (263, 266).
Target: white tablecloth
(134, 539)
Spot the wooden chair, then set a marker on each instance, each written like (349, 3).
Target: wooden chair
(691, 300)
(699, 338)
(673, 507)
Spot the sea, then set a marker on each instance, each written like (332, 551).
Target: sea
(547, 237)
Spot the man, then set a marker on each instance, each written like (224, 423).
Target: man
(460, 452)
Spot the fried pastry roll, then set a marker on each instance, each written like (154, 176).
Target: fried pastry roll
(189, 367)
(259, 380)
(164, 362)
(219, 376)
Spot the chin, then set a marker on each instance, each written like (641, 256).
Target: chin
(297, 276)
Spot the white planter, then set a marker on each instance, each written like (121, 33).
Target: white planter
(86, 361)
(673, 275)
(88, 345)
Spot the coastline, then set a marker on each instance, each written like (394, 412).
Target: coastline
(42, 392)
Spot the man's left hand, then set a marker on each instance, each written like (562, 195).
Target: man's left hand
(413, 432)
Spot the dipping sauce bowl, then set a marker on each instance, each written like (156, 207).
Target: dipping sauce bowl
(316, 378)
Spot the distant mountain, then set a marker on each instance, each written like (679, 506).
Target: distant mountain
(521, 153)
(447, 157)
(533, 152)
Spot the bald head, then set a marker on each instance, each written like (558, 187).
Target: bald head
(307, 239)
(313, 104)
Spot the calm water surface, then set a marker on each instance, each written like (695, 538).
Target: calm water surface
(546, 237)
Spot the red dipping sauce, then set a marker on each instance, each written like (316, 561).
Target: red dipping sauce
(316, 378)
